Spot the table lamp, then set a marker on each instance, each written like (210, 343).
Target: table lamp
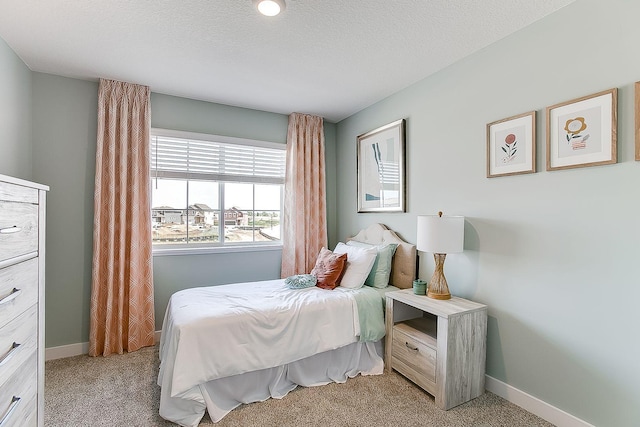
(440, 235)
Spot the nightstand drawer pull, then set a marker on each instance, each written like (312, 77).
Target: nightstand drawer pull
(10, 230)
(13, 295)
(14, 404)
(410, 347)
(4, 359)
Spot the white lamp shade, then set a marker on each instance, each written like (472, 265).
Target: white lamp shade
(440, 234)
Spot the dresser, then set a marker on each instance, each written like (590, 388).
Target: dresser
(438, 344)
(22, 234)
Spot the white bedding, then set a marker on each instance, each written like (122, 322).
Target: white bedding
(221, 331)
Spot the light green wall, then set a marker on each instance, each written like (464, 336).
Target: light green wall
(64, 157)
(15, 115)
(553, 254)
(332, 181)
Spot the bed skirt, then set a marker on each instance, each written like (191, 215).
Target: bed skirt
(222, 395)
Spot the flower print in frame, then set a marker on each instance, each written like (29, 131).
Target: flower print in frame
(582, 132)
(511, 147)
(575, 132)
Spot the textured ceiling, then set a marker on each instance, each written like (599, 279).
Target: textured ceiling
(326, 57)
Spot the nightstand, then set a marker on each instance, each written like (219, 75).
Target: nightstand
(438, 344)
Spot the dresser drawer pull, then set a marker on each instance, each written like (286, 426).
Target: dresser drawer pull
(10, 230)
(13, 295)
(410, 347)
(14, 404)
(4, 359)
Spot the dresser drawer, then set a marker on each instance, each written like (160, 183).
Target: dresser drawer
(18, 229)
(18, 341)
(413, 358)
(24, 414)
(18, 193)
(18, 402)
(23, 278)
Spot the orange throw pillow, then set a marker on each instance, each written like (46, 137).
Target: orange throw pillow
(328, 269)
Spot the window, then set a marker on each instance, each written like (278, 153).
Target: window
(214, 191)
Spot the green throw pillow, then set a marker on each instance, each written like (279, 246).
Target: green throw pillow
(300, 281)
(381, 270)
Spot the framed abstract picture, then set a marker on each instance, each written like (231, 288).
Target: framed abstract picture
(381, 169)
(582, 132)
(511, 145)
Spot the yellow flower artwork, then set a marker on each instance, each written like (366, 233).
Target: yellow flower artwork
(573, 128)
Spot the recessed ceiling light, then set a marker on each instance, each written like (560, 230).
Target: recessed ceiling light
(269, 7)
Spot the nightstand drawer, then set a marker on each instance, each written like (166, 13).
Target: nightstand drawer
(414, 359)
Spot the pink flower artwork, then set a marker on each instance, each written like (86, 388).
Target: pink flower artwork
(510, 148)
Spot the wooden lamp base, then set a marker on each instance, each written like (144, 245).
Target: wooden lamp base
(438, 288)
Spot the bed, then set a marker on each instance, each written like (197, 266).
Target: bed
(222, 346)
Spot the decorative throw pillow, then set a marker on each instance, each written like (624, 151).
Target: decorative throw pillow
(300, 281)
(328, 268)
(359, 263)
(381, 270)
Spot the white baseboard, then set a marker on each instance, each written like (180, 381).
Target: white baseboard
(62, 351)
(532, 404)
(51, 353)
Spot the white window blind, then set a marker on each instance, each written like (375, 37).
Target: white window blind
(222, 159)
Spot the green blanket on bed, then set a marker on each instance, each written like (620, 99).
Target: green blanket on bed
(370, 313)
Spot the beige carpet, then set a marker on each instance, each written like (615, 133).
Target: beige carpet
(122, 391)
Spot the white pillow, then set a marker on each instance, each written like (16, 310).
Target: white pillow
(359, 263)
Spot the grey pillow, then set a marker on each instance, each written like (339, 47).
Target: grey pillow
(300, 281)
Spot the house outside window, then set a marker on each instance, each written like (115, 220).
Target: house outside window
(213, 191)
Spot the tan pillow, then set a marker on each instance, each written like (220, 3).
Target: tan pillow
(328, 269)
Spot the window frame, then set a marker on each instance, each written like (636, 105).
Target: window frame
(222, 245)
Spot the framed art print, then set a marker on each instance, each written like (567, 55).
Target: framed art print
(380, 169)
(582, 132)
(511, 145)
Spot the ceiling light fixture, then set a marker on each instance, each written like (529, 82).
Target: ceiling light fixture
(269, 7)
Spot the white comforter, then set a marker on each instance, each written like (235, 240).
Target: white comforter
(218, 331)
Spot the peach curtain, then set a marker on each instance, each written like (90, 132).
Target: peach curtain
(304, 228)
(122, 311)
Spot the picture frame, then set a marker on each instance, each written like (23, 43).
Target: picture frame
(511, 145)
(583, 132)
(637, 119)
(381, 169)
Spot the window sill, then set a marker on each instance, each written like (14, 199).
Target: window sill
(214, 250)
